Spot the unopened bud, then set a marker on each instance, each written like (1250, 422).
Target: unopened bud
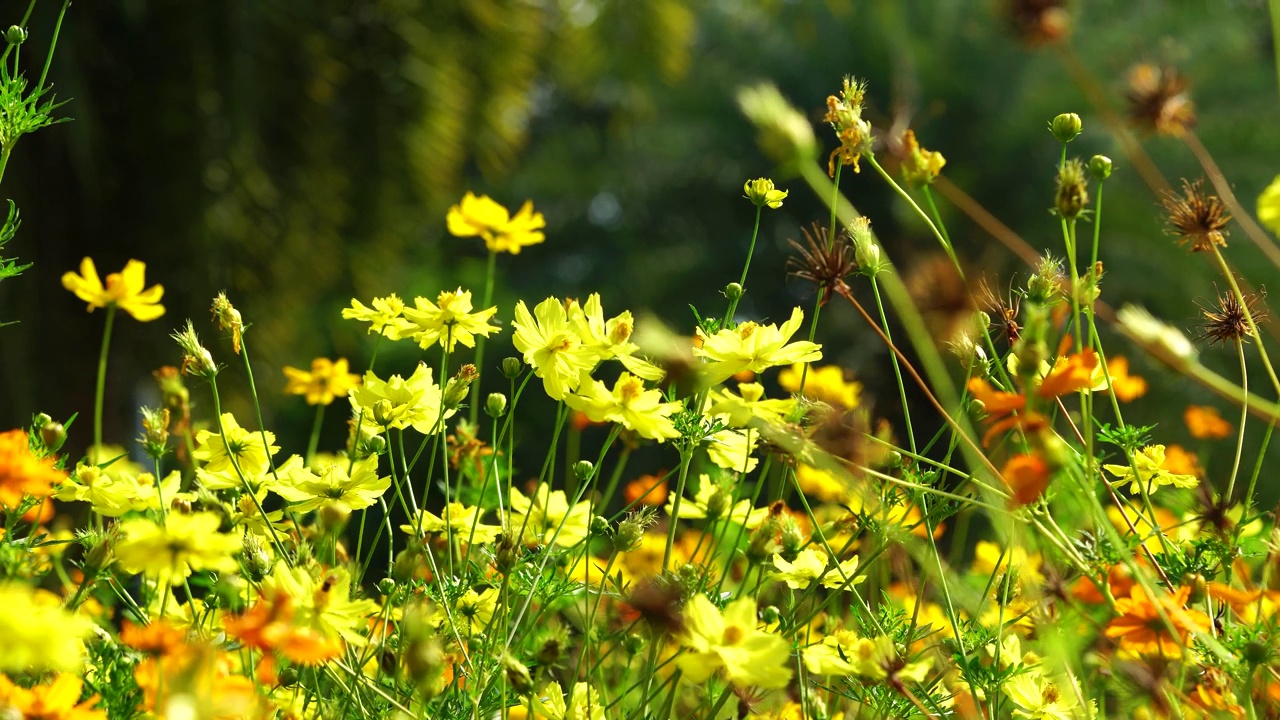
(496, 405)
(383, 412)
(1100, 167)
(770, 615)
(512, 367)
(583, 470)
(1066, 127)
(733, 291)
(633, 644)
(455, 391)
(53, 434)
(599, 527)
(1073, 190)
(228, 320)
(257, 560)
(517, 675)
(15, 35)
(386, 586)
(196, 359)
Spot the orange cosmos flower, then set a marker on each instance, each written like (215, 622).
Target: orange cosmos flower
(1205, 423)
(1139, 628)
(268, 626)
(1071, 374)
(647, 490)
(1004, 409)
(55, 701)
(21, 472)
(1027, 476)
(1126, 387)
(1180, 461)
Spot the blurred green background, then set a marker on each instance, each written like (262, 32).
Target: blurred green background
(299, 153)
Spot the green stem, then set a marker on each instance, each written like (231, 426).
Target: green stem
(4, 158)
(942, 239)
(100, 394)
(52, 45)
(1244, 417)
(685, 458)
(742, 283)
(314, 442)
(474, 399)
(26, 17)
(897, 370)
(1274, 5)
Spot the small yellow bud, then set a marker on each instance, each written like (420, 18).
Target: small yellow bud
(761, 193)
(1066, 127)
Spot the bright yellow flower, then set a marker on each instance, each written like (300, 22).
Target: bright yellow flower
(322, 601)
(748, 403)
(826, 383)
(384, 317)
(36, 634)
(820, 484)
(485, 218)
(844, 653)
(414, 402)
(811, 564)
(713, 502)
(471, 612)
(245, 446)
(628, 404)
(327, 380)
(448, 321)
(59, 700)
(611, 339)
(1269, 206)
(552, 347)
(356, 490)
(186, 543)
(23, 474)
(462, 522)
(584, 704)
(546, 511)
(754, 347)
(1035, 697)
(123, 290)
(1149, 462)
(731, 449)
(761, 193)
(107, 495)
(732, 641)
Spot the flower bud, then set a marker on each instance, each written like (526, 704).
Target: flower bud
(196, 359)
(717, 504)
(583, 470)
(1066, 127)
(288, 677)
(496, 405)
(770, 615)
(512, 367)
(733, 291)
(333, 516)
(386, 586)
(517, 675)
(761, 193)
(1256, 653)
(631, 530)
(257, 559)
(633, 644)
(53, 434)
(1100, 167)
(15, 35)
(40, 420)
(792, 537)
(383, 412)
(599, 527)
(455, 391)
(866, 251)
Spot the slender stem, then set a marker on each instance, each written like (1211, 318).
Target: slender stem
(685, 458)
(474, 400)
(897, 370)
(4, 157)
(314, 441)
(942, 239)
(1274, 6)
(742, 283)
(1244, 417)
(822, 292)
(26, 17)
(100, 394)
(1248, 316)
(53, 44)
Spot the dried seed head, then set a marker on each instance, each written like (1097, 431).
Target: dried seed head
(1073, 190)
(1196, 218)
(826, 267)
(1227, 322)
(1158, 100)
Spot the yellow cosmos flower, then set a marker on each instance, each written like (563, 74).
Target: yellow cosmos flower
(583, 704)
(988, 559)
(713, 501)
(552, 347)
(59, 700)
(462, 522)
(384, 317)
(748, 403)
(357, 489)
(36, 634)
(610, 340)
(826, 384)
(246, 446)
(502, 232)
(322, 601)
(448, 321)
(810, 565)
(114, 494)
(327, 380)
(732, 641)
(1269, 206)
(184, 544)
(471, 612)
(546, 511)
(628, 404)
(1149, 462)
(1035, 697)
(123, 290)
(844, 653)
(761, 193)
(754, 347)
(412, 402)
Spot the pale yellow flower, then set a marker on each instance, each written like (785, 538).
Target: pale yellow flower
(610, 339)
(384, 318)
(732, 641)
(552, 346)
(448, 321)
(412, 402)
(754, 347)
(483, 217)
(628, 404)
(326, 380)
